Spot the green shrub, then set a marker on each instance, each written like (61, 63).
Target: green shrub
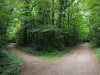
(96, 36)
(97, 52)
(44, 38)
(10, 64)
(3, 40)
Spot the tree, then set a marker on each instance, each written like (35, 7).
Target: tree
(53, 13)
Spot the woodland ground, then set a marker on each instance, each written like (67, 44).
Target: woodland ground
(79, 61)
(46, 55)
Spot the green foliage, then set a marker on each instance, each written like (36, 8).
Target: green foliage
(5, 11)
(44, 24)
(44, 38)
(84, 33)
(3, 40)
(46, 29)
(94, 19)
(12, 30)
(10, 64)
(97, 52)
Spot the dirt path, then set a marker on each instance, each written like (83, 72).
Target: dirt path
(79, 61)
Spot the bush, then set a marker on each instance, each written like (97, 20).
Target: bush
(2, 40)
(97, 52)
(44, 38)
(10, 64)
(96, 36)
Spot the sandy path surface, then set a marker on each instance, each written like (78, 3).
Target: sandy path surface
(79, 61)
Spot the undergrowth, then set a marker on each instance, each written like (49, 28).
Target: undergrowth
(97, 52)
(10, 64)
(49, 56)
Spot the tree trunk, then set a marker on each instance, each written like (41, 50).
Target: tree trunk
(53, 12)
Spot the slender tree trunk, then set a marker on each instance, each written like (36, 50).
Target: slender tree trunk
(61, 2)
(68, 17)
(62, 8)
(53, 12)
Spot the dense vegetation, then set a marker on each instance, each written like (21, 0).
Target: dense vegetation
(9, 63)
(95, 21)
(48, 25)
(93, 15)
(93, 11)
(45, 55)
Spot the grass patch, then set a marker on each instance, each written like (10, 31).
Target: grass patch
(49, 56)
(10, 64)
(97, 52)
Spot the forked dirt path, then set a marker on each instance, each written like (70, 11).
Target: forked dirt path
(79, 61)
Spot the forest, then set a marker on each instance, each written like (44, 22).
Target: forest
(45, 27)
